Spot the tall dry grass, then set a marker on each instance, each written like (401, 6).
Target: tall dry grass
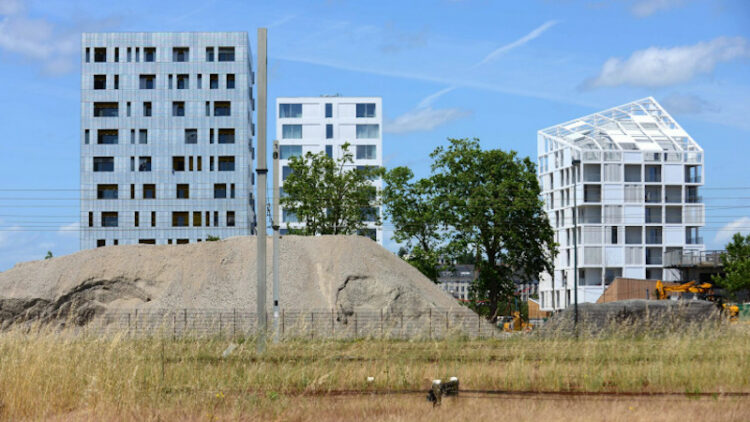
(45, 373)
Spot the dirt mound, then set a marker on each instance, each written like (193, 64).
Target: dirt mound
(638, 314)
(341, 273)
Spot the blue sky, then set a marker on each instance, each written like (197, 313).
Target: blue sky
(498, 71)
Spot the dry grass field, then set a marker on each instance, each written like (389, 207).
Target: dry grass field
(60, 376)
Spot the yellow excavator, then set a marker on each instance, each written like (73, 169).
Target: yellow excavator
(703, 289)
(517, 324)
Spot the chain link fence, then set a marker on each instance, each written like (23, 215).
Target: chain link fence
(295, 324)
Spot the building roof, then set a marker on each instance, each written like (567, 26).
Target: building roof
(641, 125)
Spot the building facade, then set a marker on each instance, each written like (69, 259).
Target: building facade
(633, 176)
(166, 137)
(457, 280)
(324, 124)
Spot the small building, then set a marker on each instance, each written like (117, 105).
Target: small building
(456, 281)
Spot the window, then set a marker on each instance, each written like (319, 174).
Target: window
(230, 81)
(209, 54)
(226, 136)
(232, 191)
(144, 163)
(106, 191)
(653, 173)
(222, 108)
(147, 109)
(220, 190)
(290, 110)
(132, 136)
(153, 218)
(367, 131)
(230, 218)
(146, 81)
(178, 108)
(633, 235)
(130, 52)
(106, 109)
(178, 163)
(366, 152)
(208, 108)
(109, 219)
(197, 220)
(100, 55)
(104, 163)
(653, 235)
(226, 54)
(183, 191)
(149, 54)
(117, 81)
(329, 110)
(107, 136)
(191, 136)
(169, 84)
(285, 172)
(180, 54)
(366, 110)
(149, 191)
(183, 81)
(180, 219)
(371, 175)
(100, 81)
(143, 136)
(329, 151)
(137, 54)
(88, 55)
(117, 54)
(213, 81)
(226, 163)
(632, 172)
(132, 191)
(370, 213)
(91, 219)
(132, 163)
(329, 131)
(611, 235)
(291, 131)
(86, 136)
(288, 151)
(136, 219)
(100, 243)
(289, 216)
(128, 107)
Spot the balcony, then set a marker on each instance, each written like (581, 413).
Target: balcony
(689, 258)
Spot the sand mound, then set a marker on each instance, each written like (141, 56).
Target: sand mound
(340, 273)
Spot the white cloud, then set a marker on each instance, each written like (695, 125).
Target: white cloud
(687, 104)
(54, 47)
(423, 119)
(740, 225)
(69, 229)
(656, 66)
(646, 8)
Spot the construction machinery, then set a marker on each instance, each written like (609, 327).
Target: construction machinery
(704, 291)
(517, 324)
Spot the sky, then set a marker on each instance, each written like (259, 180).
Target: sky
(495, 70)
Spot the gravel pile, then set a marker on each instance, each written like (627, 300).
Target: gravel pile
(637, 314)
(341, 273)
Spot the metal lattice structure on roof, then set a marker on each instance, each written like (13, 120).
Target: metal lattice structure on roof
(641, 125)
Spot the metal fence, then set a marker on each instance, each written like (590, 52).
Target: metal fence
(295, 324)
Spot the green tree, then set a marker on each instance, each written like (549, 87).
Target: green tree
(412, 209)
(328, 196)
(49, 255)
(488, 203)
(736, 263)
(212, 238)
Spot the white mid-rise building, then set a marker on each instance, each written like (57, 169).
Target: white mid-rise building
(324, 124)
(636, 176)
(166, 137)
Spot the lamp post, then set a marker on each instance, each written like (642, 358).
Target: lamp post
(576, 173)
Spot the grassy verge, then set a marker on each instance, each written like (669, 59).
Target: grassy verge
(46, 374)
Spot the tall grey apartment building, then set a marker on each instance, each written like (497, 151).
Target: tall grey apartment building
(166, 137)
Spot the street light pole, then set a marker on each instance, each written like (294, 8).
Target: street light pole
(275, 226)
(260, 296)
(576, 174)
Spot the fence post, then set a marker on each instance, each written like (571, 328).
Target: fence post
(234, 322)
(184, 322)
(174, 327)
(282, 322)
(333, 330)
(479, 326)
(381, 323)
(128, 321)
(447, 321)
(430, 323)
(136, 320)
(312, 325)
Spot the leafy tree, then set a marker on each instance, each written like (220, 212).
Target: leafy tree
(49, 255)
(481, 203)
(411, 208)
(492, 201)
(736, 263)
(329, 197)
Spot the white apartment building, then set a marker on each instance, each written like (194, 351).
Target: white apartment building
(324, 124)
(637, 197)
(166, 137)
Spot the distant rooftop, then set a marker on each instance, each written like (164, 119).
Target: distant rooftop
(641, 125)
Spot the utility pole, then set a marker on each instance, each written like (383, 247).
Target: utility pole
(262, 171)
(275, 226)
(576, 174)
